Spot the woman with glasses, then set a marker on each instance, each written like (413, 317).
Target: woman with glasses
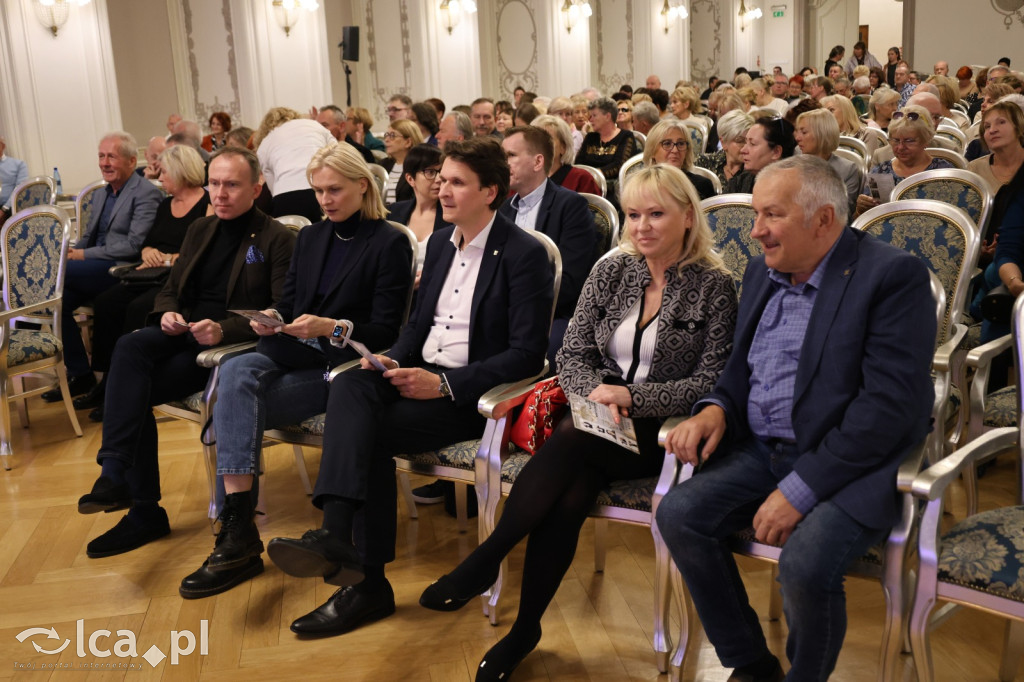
(666, 289)
(669, 143)
(402, 135)
(817, 134)
(910, 133)
(421, 214)
(727, 162)
(349, 278)
(562, 172)
(767, 141)
(624, 120)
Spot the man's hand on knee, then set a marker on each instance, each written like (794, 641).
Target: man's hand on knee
(415, 383)
(776, 519)
(707, 426)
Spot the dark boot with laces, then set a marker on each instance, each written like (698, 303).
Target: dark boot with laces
(236, 552)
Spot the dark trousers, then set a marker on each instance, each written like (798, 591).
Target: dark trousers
(83, 281)
(368, 423)
(148, 368)
(300, 202)
(117, 311)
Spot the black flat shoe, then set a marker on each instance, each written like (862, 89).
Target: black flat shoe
(106, 496)
(76, 386)
(318, 554)
(347, 609)
(444, 595)
(96, 415)
(92, 399)
(206, 583)
(505, 656)
(130, 533)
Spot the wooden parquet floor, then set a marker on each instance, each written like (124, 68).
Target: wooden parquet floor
(598, 628)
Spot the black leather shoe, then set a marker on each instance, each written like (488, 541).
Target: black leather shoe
(130, 533)
(238, 540)
(207, 582)
(76, 386)
(318, 554)
(773, 674)
(505, 656)
(92, 399)
(96, 415)
(444, 595)
(106, 496)
(347, 609)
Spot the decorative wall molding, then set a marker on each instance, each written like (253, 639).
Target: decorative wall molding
(381, 90)
(202, 110)
(512, 35)
(705, 39)
(610, 82)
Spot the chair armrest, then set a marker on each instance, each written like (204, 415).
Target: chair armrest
(943, 355)
(931, 483)
(983, 354)
(119, 270)
(670, 423)
(344, 367)
(910, 467)
(218, 355)
(7, 315)
(499, 401)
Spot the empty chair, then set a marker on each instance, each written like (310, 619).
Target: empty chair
(37, 191)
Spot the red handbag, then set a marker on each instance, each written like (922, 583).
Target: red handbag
(543, 408)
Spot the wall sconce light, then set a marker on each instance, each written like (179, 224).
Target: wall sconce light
(287, 12)
(671, 12)
(452, 11)
(573, 11)
(748, 15)
(53, 14)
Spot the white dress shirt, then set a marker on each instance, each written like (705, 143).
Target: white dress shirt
(447, 343)
(528, 207)
(287, 150)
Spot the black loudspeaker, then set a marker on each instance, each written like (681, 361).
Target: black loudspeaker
(349, 43)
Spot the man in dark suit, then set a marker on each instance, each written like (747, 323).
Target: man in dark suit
(119, 222)
(234, 259)
(481, 319)
(539, 204)
(827, 389)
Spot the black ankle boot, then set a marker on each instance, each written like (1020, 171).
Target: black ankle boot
(236, 552)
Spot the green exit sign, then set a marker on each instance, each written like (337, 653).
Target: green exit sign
(778, 13)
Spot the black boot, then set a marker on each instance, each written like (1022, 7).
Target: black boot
(236, 552)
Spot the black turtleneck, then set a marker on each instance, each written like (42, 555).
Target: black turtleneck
(334, 259)
(207, 290)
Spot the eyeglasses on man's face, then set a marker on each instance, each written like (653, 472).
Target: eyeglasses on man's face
(395, 110)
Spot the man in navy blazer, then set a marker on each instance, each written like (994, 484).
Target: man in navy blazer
(120, 219)
(826, 391)
(481, 319)
(561, 214)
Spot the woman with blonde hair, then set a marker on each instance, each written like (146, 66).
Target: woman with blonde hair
(817, 134)
(349, 278)
(562, 172)
(616, 353)
(285, 142)
(849, 122)
(669, 142)
(883, 102)
(402, 135)
(684, 102)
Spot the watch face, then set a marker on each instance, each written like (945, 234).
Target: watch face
(337, 332)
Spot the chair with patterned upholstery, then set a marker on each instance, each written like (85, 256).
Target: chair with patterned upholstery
(953, 134)
(885, 562)
(948, 241)
(698, 134)
(632, 164)
(35, 244)
(710, 175)
(978, 562)
(606, 218)
(961, 188)
(602, 182)
(731, 218)
(84, 206)
(955, 158)
(38, 191)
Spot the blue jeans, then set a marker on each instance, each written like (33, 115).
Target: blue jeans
(256, 393)
(696, 517)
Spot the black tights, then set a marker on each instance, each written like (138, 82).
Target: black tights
(549, 502)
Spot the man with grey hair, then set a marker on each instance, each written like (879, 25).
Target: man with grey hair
(592, 94)
(455, 126)
(333, 119)
(119, 221)
(645, 117)
(827, 389)
(607, 148)
(192, 131)
(13, 172)
(151, 171)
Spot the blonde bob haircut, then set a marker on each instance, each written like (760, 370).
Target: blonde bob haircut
(343, 159)
(659, 132)
(408, 130)
(558, 129)
(846, 116)
(663, 184)
(184, 165)
(688, 94)
(825, 129)
(923, 128)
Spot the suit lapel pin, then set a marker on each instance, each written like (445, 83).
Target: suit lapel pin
(495, 252)
(846, 272)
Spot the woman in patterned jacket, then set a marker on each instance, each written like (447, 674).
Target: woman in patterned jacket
(650, 335)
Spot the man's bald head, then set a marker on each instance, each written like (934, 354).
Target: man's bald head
(929, 102)
(941, 68)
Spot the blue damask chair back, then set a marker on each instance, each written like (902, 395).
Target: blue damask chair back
(38, 191)
(731, 219)
(961, 188)
(698, 135)
(84, 207)
(942, 235)
(34, 241)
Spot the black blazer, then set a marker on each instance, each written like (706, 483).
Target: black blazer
(401, 211)
(403, 190)
(510, 316)
(565, 217)
(370, 291)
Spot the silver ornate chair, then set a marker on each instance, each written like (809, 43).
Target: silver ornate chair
(602, 183)
(886, 562)
(35, 243)
(295, 222)
(380, 174)
(955, 158)
(640, 138)
(731, 218)
(632, 164)
(38, 191)
(952, 133)
(84, 207)
(856, 146)
(606, 218)
(705, 173)
(978, 562)
(961, 188)
(854, 157)
(698, 134)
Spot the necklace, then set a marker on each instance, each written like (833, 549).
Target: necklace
(344, 239)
